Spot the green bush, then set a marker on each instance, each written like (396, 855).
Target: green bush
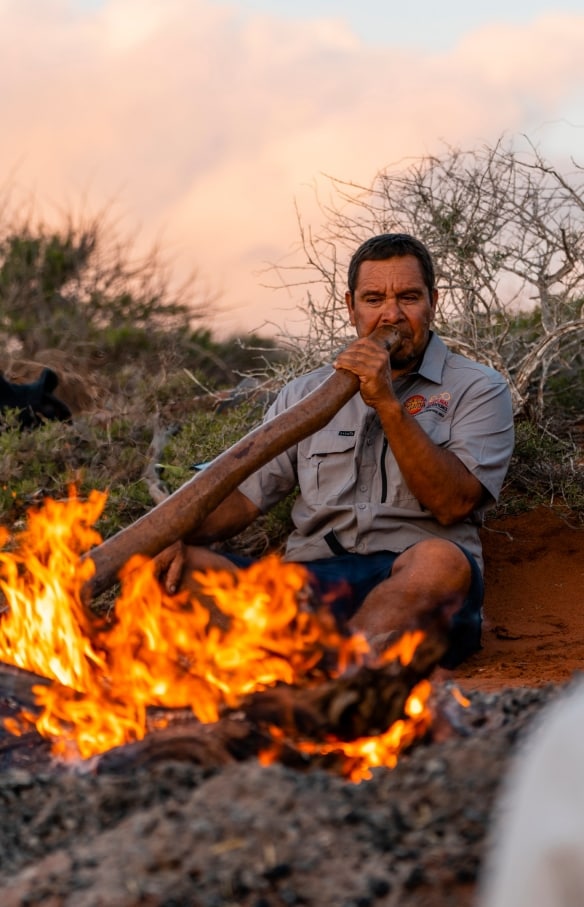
(545, 470)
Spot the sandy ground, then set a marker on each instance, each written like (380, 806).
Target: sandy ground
(534, 606)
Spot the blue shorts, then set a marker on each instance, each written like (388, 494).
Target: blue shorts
(345, 580)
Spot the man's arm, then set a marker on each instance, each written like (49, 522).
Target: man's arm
(437, 478)
(434, 475)
(231, 516)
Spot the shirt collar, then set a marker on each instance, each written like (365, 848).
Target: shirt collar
(432, 364)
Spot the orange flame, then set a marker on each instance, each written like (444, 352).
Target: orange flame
(460, 698)
(383, 750)
(366, 753)
(162, 650)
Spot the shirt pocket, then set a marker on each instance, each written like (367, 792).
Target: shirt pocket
(436, 427)
(326, 466)
(398, 493)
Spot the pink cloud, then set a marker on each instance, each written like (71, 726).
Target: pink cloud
(204, 125)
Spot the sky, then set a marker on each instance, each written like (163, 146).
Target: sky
(205, 126)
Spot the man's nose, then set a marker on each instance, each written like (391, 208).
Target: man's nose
(392, 311)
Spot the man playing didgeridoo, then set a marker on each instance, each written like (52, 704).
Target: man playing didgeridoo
(392, 491)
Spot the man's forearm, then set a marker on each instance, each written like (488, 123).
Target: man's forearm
(229, 518)
(437, 478)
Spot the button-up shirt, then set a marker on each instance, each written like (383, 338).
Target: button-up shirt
(349, 480)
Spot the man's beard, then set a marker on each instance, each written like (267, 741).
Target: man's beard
(403, 360)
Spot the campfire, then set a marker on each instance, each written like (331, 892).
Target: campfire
(251, 648)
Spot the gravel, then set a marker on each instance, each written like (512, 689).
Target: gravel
(175, 834)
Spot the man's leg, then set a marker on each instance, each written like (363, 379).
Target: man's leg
(432, 575)
(198, 558)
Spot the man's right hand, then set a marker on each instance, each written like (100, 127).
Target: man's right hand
(170, 564)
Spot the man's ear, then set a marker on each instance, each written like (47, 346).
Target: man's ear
(350, 306)
(434, 303)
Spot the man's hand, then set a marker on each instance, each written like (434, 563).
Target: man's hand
(434, 474)
(370, 363)
(170, 564)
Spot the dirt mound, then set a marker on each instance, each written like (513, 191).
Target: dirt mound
(176, 836)
(534, 604)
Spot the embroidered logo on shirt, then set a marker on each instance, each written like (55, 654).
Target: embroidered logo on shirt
(347, 434)
(439, 402)
(415, 404)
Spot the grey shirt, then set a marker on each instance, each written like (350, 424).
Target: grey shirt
(349, 480)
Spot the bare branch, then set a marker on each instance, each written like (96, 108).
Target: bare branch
(506, 229)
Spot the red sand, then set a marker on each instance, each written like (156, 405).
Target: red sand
(533, 632)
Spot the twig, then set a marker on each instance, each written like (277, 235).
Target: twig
(151, 475)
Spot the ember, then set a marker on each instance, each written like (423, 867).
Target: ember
(170, 652)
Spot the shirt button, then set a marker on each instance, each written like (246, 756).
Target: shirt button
(362, 487)
(362, 506)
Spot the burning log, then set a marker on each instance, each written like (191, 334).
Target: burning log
(187, 508)
(209, 745)
(16, 684)
(16, 693)
(363, 704)
(286, 719)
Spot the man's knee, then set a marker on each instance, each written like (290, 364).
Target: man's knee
(199, 558)
(458, 594)
(437, 563)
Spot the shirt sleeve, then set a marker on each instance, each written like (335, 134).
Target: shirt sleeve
(482, 434)
(277, 478)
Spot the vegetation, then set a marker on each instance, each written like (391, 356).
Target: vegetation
(546, 470)
(81, 291)
(508, 234)
(506, 229)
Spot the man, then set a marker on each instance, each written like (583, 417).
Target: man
(392, 490)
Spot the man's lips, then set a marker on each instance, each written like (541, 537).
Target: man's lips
(403, 339)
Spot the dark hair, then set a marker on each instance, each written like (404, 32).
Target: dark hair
(389, 245)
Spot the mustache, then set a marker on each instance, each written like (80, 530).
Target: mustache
(403, 338)
(400, 356)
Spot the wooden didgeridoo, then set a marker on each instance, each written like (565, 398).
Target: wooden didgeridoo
(185, 509)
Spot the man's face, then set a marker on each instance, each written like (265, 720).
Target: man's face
(392, 291)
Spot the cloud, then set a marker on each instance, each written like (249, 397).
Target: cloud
(204, 124)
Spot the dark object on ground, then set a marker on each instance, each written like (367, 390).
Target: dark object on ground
(35, 402)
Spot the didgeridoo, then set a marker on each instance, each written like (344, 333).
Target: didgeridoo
(185, 509)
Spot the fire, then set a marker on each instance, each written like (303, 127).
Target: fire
(165, 651)
(383, 750)
(360, 756)
(460, 698)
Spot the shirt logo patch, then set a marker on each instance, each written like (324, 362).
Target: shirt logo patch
(347, 434)
(415, 404)
(439, 402)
